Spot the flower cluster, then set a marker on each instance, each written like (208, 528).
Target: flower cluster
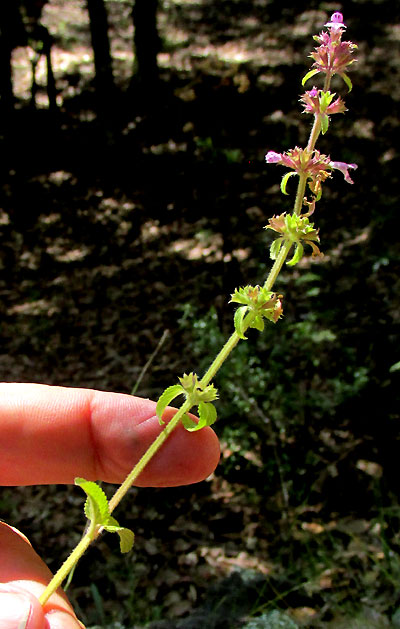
(295, 229)
(312, 167)
(319, 102)
(316, 166)
(264, 304)
(196, 394)
(333, 56)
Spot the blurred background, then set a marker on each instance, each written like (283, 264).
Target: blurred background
(134, 194)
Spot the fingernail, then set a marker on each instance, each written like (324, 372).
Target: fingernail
(15, 611)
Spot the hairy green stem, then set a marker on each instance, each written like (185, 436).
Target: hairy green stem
(235, 338)
(94, 532)
(231, 343)
(301, 188)
(278, 264)
(148, 455)
(316, 128)
(68, 565)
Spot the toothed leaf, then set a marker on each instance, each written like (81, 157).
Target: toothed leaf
(238, 321)
(166, 398)
(258, 323)
(96, 505)
(238, 297)
(207, 413)
(207, 416)
(189, 423)
(275, 248)
(126, 536)
(298, 254)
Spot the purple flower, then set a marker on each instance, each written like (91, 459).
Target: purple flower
(273, 158)
(344, 168)
(336, 21)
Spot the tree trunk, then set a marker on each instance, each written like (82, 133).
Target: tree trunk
(11, 34)
(146, 45)
(104, 80)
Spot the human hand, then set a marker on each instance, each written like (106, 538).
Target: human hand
(53, 434)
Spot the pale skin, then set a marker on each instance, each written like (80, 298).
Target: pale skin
(54, 434)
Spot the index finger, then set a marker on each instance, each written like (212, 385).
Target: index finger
(53, 434)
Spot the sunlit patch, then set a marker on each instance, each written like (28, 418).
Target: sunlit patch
(150, 230)
(204, 245)
(62, 252)
(60, 176)
(4, 218)
(34, 308)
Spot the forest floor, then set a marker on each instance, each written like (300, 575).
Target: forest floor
(112, 237)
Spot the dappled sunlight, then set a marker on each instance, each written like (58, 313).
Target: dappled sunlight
(65, 63)
(118, 225)
(35, 308)
(208, 246)
(61, 251)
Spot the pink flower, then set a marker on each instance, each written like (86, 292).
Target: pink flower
(300, 160)
(319, 102)
(344, 168)
(336, 21)
(273, 158)
(314, 164)
(333, 56)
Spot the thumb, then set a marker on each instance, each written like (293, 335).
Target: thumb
(23, 576)
(19, 608)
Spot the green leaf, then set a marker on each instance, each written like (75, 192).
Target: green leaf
(324, 123)
(189, 382)
(166, 398)
(238, 321)
(395, 367)
(275, 248)
(96, 505)
(238, 297)
(325, 100)
(347, 80)
(285, 180)
(298, 254)
(126, 536)
(258, 323)
(209, 394)
(308, 76)
(207, 414)
(189, 423)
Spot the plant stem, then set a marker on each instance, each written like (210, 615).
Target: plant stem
(68, 565)
(278, 264)
(316, 128)
(148, 455)
(235, 338)
(95, 531)
(315, 131)
(148, 364)
(231, 343)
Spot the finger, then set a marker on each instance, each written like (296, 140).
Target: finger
(23, 577)
(53, 434)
